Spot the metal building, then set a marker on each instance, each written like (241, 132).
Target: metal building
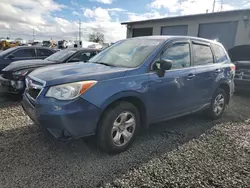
(231, 28)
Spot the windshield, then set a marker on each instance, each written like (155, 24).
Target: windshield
(60, 56)
(127, 53)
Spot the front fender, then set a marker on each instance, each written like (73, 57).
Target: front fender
(104, 92)
(121, 95)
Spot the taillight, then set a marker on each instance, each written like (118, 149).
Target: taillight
(233, 67)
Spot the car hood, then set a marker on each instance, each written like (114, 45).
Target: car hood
(74, 72)
(25, 64)
(242, 64)
(240, 53)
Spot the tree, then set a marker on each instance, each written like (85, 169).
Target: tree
(96, 37)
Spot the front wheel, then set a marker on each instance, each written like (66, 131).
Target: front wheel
(118, 127)
(218, 104)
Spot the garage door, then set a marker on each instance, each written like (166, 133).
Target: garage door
(174, 30)
(138, 32)
(224, 32)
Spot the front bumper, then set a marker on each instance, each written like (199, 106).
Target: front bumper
(63, 119)
(11, 86)
(242, 85)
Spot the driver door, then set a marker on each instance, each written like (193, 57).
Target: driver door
(172, 94)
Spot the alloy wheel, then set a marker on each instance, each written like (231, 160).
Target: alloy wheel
(123, 128)
(219, 104)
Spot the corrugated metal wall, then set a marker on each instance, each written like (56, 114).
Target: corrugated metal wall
(138, 32)
(174, 30)
(224, 32)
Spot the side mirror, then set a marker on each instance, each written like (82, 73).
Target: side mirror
(165, 64)
(11, 56)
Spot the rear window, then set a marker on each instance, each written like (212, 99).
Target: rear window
(202, 55)
(43, 52)
(220, 54)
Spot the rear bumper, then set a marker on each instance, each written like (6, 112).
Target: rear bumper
(63, 119)
(11, 86)
(243, 85)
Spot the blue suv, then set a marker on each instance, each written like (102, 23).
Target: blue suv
(133, 83)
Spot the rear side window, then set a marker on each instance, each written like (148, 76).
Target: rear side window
(202, 55)
(43, 52)
(220, 54)
(25, 53)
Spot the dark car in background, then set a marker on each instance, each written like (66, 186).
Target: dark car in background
(240, 56)
(13, 76)
(129, 85)
(23, 53)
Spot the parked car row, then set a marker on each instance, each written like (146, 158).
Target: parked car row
(128, 86)
(13, 76)
(23, 53)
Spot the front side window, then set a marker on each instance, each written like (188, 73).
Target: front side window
(25, 53)
(61, 55)
(127, 53)
(179, 54)
(202, 55)
(220, 54)
(82, 56)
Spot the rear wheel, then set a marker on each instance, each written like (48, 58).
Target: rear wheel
(218, 104)
(118, 127)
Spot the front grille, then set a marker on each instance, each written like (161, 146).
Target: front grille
(34, 92)
(33, 87)
(242, 74)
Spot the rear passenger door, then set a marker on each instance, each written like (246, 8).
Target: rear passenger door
(206, 71)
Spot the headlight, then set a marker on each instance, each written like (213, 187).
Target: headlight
(20, 73)
(69, 91)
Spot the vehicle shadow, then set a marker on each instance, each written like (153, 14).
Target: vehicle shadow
(80, 163)
(7, 100)
(244, 94)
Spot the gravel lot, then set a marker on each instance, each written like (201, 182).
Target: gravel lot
(177, 153)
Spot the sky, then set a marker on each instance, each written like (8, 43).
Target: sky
(59, 19)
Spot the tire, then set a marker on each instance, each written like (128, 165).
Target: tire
(114, 134)
(218, 96)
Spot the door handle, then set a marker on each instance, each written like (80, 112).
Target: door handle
(190, 76)
(217, 71)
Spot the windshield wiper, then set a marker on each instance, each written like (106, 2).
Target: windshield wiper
(102, 63)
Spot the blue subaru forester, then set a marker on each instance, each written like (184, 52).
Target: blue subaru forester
(130, 85)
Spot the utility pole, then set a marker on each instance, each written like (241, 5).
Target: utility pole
(80, 42)
(9, 34)
(33, 35)
(213, 6)
(221, 5)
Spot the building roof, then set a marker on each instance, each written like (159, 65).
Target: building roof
(190, 16)
(167, 37)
